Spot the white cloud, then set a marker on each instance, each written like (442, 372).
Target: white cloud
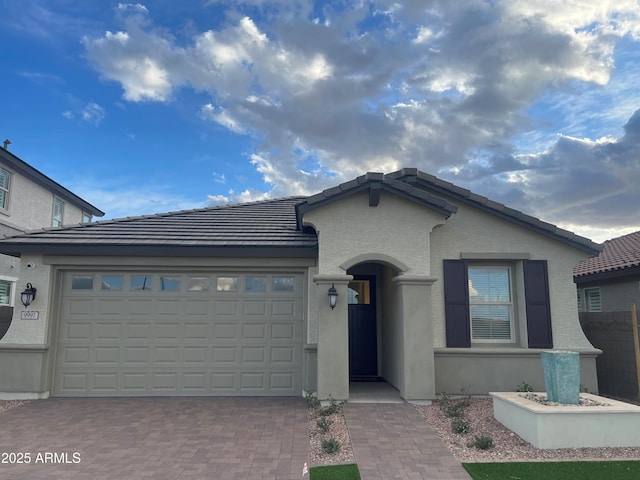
(448, 88)
(90, 113)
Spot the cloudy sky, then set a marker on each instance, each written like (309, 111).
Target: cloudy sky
(163, 105)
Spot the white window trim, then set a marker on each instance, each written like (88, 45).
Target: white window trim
(12, 292)
(511, 338)
(53, 213)
(88, 216)
(5, 209)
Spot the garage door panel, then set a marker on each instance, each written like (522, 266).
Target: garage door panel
(106, 356)
(197, 332)
(254, 381)
(227, 308)
(281, 381)
(166, 355)
(108, 307)
(255, 308)
(224, 382)
(107, 331)
(254, 331)
(195, 355)
(79, 307)
(227, 337)
(139, 308)
(137, 330)
(224, 355)
(225, 331)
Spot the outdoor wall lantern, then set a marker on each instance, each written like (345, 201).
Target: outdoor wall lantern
(28, 295)
(333, 296)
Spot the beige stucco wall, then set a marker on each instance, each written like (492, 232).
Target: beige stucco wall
(474, 231)
(350, 232)
(31, 205)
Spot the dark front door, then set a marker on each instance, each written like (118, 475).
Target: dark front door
(363, 344)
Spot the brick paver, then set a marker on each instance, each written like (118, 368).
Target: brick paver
(155, 438)
(392, 441)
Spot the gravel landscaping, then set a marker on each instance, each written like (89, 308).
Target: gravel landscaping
(508, 447)
(8, 404)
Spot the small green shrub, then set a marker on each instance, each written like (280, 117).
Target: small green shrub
(324, 424)
(460, 426)
(330, 445)
(312, 401)
(482, 442)
(584, 389)
(524, 387)
(333, 407)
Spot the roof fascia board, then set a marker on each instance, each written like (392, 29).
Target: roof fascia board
(618, 274)
(19, 165)
(18, 250)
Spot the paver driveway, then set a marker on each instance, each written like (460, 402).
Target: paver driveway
(155, 438)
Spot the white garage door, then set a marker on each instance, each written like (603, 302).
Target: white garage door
(138, 334)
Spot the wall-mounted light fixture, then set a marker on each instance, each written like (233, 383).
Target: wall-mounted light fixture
(28, 295)
(333, 296)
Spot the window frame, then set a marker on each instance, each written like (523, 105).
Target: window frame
(12, 290)
(86, 217)
(57, 222)
(587, 299)
(7, 190)
(510, 304)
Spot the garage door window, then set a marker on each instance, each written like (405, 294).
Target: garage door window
(141, 282)
(81, 282)
(171, 284)
(111, 282)
(198, 284)
(227, 284)
(284, 284)
(255, 284)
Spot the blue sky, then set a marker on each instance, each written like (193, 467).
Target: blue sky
(159, 106)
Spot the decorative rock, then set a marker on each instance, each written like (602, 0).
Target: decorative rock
(562, 376)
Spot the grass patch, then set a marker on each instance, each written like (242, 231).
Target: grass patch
(348, 471)
(625, 470)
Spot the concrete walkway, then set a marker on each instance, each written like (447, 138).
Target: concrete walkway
(392, 441)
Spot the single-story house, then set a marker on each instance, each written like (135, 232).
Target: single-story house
(438, 290)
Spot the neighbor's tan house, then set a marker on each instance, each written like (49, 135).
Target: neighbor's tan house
(30, 200)
(438, 290)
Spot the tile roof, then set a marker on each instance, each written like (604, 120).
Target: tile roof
(415, 177)
(617, 254)
(259, 228)
(270, 223)
(381, 181)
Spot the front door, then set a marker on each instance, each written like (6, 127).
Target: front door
(363, 344)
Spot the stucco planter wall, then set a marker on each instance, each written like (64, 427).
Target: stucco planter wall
(616, 424)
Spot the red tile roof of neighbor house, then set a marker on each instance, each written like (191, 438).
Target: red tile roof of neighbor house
(618, 253)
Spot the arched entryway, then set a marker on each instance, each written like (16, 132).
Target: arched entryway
(371, 333)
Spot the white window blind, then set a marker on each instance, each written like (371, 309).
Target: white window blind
(5, 292)
(592, 299)
(490, 303)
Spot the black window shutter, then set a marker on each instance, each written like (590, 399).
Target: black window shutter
(456, 303)
(536, 291)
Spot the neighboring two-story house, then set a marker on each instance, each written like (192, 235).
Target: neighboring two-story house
(30, 200)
